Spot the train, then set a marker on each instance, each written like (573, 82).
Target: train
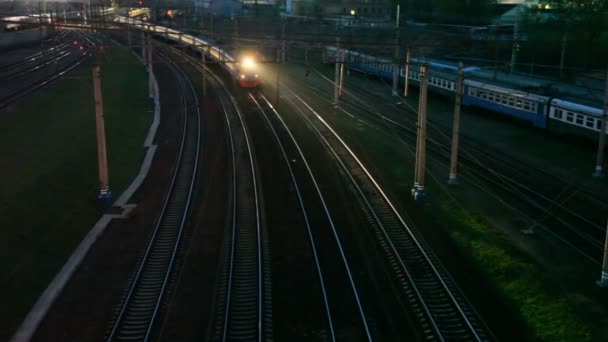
(546, 112)
(243, 68)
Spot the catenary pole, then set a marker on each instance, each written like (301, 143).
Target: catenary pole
(456, 127)
(604, 279)
(105, 196)
(418, 190)
(599, 164)
(342, 62)
(337, 73)
(407, 71)
(396, 56)
(150, 69)
(143, 47)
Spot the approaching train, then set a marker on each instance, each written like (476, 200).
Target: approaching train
(542, 111)
(244, 68)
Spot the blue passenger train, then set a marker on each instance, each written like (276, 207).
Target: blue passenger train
(559, 115)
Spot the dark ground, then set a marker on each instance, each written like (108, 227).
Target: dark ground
(84, 309)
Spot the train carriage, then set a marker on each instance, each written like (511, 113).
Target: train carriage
(573, 118)
(529, 107)
(243, 69)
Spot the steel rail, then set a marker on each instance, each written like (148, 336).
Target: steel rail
(327, 214)
(440, 286)
(240, 283)
(503, 181)
(142, 303)
(302, 206)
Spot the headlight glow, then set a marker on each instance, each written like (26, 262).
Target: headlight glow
(248, 63)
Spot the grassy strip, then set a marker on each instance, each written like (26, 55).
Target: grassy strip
(49, 172)
(550, 316)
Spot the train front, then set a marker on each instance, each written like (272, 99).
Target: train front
(248, 72)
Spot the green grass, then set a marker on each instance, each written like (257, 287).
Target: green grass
(49, 173)
(549, 316)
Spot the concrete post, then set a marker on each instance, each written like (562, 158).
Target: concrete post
(407, 71)
(456, 127)
(143, 47)
(418, 190)
(562, 58)
(599, 164)
(204, 61)
(337, 73)
(342, 62)
(283, 42)
(150, 69)
(604, 279)
(396, 56)
(105, 195)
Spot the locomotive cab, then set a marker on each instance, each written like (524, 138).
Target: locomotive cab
(248, 72)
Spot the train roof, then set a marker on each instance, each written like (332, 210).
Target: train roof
(501, 89)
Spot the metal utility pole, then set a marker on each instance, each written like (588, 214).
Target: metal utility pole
(456, 127)
(599, 164)
(337, 73)
(515, 48)
(604, 279)
(283, 42)
(129, 36)
(278, 95)
(418, 189)
(150, 69)
(495, 30)
(143, 48)
(236, 32)
(204, 62)
(407, 71)
(342, 62)
(562, 58)
(396, 56)
(105, 195)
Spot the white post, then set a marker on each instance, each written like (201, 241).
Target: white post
(396, 56)
(407, 71)
(599, 164)
(105, 195)
(604, 279)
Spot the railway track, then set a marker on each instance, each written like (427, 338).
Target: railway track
(545, 200)
(441, 311)
(551, 203)
(345, 317)
(40, 63)
(142, 303)
(243, 299)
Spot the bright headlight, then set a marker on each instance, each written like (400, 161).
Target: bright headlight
(248, 63)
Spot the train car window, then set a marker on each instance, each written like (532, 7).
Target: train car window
(590, 122)
(598, 125)
(533, 107)
(569, 117)
(579, 119)
(558, 113)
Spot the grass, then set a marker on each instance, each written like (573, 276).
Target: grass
(49, 173)
(548, 315)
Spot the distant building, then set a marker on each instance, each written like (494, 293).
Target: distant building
(360, 8)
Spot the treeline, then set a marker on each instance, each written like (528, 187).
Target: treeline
(458, 12)
(575, 31)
